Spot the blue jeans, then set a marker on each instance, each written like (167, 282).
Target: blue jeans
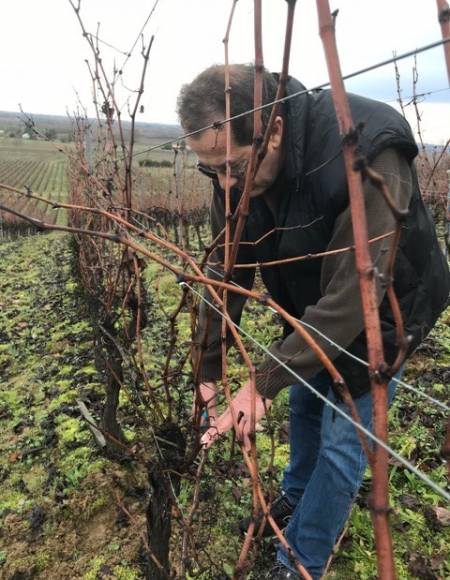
(325, 471)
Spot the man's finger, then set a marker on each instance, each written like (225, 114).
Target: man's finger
(243, 434)
(209, 437)
(221, 425)
(247, 442)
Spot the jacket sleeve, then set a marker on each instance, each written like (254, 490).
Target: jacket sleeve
(208, 335)
(338, 314)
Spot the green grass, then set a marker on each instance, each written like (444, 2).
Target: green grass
(417, 429)
(48, 461)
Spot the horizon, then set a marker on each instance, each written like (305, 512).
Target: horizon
(434, 132)
(46, 71)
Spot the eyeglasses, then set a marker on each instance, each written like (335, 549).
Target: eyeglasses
(237, 169)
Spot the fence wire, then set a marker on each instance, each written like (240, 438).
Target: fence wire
(431, 399)
(439, 490)
(298, 94)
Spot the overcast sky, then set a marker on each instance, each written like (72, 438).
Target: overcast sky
(43, 51)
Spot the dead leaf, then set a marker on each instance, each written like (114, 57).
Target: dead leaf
(409, 501)
(14, 457)
(237, 493)
(443, 515)
(437, 561)
(395, 462)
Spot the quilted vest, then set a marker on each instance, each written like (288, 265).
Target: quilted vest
(312, 190)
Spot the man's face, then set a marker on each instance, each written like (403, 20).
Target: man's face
(211, 150)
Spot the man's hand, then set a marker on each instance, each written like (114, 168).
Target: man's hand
(208, 401)
(241, 404)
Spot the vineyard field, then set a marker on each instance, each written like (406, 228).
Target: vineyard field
(48, 177)
(37, 166)
(34, 164)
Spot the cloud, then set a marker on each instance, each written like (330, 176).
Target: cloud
(434, 121)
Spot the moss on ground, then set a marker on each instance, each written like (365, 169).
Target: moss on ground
(416, 431)
(59, 517)
(58, 509)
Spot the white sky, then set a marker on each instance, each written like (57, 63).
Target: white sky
(43, 51)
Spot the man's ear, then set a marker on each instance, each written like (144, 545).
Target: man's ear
(276, 134)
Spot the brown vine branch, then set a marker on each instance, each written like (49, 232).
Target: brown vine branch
(377, 366)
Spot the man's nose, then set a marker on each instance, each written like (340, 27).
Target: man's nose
(223, 178)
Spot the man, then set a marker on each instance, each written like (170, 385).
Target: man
(299, 205)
